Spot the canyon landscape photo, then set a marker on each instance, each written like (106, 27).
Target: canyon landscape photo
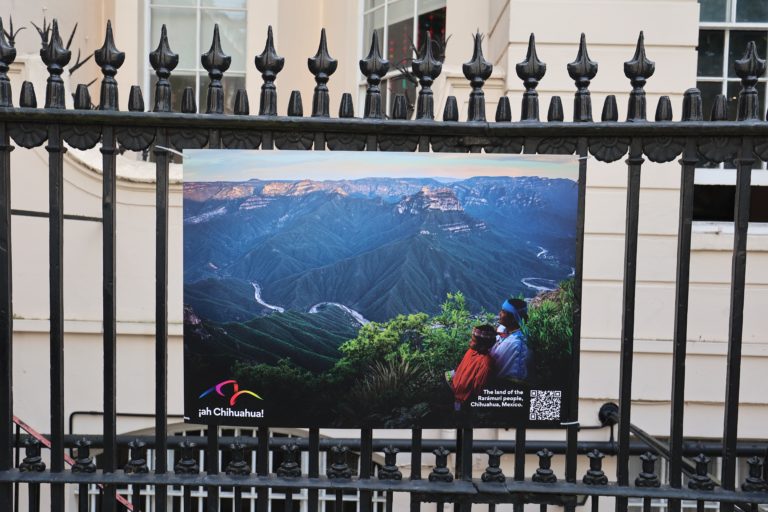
(287, 278)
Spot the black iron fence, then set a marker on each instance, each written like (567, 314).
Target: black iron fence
(691, 139)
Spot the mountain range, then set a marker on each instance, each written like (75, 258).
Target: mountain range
(380, 246)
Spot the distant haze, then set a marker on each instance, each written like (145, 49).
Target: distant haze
(241, 165)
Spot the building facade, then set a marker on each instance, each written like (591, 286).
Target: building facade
(693, 44)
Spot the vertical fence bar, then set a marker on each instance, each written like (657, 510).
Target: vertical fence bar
(8, 492)
(572, 433)
(109, 462)
(638, 70)
(748, 68)
(416, 435)
(161, 316)
(691, 112)
(313, 469)
(262, 468)
(736, 317)
(212, 466)
(634, 163)
(519, 474)
(56, 151)
(56, 56)
(366, 466)
(163, 61)
(6, 320)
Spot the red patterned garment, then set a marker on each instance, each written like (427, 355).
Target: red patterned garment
(471, 375)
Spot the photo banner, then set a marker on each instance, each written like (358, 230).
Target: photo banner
(384, 290)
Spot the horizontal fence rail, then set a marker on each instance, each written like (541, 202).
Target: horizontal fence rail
(637, 139)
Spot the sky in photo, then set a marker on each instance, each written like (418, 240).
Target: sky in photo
(203, 165)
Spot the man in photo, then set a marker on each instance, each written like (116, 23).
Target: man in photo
(511, 356)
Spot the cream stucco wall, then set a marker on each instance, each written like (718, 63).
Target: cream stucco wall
(671, 30)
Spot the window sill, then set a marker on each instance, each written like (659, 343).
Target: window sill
(718, 236)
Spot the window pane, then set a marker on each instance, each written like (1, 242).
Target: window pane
(181, 23)
(710, 53)
(399, 10)
(400, 38)
(434, 23)
(232, 32)
(192, 3)
(373, 21)
(369, 4)
(224, 4)
(752, 10)
(738, 46)
(713, 10)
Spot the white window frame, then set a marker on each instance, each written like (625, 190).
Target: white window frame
(720, 175)
(200, 46)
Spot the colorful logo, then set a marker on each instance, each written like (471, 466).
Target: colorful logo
(236, 391)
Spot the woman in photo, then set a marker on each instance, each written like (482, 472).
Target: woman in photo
(475, 368)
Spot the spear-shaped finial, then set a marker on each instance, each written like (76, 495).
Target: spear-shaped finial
(477, 71)
(426, 68)
(749, 68)
(216, 63)
(531, 71)
(374, 66)
(638, 70)
(582, 71)
(322, 65)
(109, 59)
(7, 56)
(55, 56)
(163, 61)
(269, 64)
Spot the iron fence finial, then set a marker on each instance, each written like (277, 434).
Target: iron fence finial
(582, 71)
(55, 56)
(269, 64)
(692, 106)
(477, 71)
(638, 70)
(216, 63)
(322, 66)
(530, 71)
(555, 112)
(163, 61)
(664, 109)
(374, 67)
(426, 68)
(7, 56)
(749, 68)
(109, 59)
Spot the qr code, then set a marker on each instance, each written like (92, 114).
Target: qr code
(545, 405)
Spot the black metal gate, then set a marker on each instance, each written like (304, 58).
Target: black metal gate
(744, 142)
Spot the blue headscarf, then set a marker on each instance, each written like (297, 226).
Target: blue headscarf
(517, 313)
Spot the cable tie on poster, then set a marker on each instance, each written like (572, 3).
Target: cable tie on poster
(580, 158)
(568, 423)
(170, 150)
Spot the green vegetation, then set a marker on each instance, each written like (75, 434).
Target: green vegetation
(392, 373)
(550, 323)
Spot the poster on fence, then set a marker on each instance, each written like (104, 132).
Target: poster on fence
(387, 290)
